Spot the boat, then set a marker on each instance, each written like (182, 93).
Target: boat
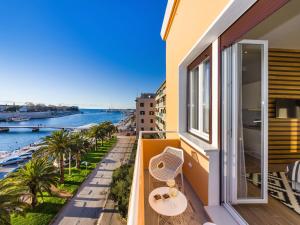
(11, 160)
(4, 129)
(19, 119)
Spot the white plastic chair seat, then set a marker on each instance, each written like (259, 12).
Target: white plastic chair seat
(162, 175)
(167, 165)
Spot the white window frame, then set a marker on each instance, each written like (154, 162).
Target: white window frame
(201, 73)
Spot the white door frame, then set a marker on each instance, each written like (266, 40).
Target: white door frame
(230, 126)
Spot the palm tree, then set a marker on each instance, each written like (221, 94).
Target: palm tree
(109, 127)
(10, 201)
(102, 132)
(37, 176)
(78, 146)
(97, 132)
(57, 145)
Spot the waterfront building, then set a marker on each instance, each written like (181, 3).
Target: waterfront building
(232, 87)
(160, 108)
(145, 112)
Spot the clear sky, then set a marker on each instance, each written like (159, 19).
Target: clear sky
(91, 53)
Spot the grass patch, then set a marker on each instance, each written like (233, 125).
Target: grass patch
(43, 213)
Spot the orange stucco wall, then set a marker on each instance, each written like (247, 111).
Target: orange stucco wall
(191, 21)
(196, 169)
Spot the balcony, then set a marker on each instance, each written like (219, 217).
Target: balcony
(140, 212)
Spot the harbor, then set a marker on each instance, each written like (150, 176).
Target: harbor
(25, 137)
(20, 136)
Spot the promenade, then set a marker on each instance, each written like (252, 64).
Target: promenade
(86, 207)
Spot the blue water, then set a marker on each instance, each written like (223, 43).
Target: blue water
(18, 138)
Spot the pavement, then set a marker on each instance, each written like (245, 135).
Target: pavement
(88, 205)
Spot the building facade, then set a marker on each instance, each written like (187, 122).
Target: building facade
(160, 107)
(145, 112)
(232, 81)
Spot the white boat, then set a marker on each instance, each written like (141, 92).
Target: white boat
(19, 119)
(26, 155)
(11, 160)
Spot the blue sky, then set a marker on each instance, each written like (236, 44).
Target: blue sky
(95, 53)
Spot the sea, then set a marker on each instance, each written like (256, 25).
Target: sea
(17, 138)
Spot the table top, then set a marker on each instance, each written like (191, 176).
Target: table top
(172, 206)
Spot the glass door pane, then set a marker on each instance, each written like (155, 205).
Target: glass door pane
(194, 101)
(250, 122)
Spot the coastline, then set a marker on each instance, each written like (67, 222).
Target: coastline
(5, 153)
(4, 116)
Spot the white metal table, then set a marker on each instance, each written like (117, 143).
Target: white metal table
(170, 207)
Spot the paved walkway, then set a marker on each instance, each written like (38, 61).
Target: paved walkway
(87, 205)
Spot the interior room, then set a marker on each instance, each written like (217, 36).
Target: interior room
(282, 32)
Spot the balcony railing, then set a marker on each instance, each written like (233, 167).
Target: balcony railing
(151, 143)
(136, 202)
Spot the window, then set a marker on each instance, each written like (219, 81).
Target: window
(151, 128)
(151, 113)
(142, 128)
(199, 96)
(142, 104)
(142, 120)
(142, 112)
(151, 104)
(151, 121)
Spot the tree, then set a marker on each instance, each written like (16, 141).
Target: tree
(97, 132)
(78, 146)
(37, 176)
(109, 127)
(102, 133)
(10, 201)
(56, 146)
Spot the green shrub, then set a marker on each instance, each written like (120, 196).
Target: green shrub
(120, 187)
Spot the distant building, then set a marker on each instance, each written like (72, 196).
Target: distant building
(160, 107)
(145, 112)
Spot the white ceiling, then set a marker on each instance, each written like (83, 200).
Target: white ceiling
(282, 29)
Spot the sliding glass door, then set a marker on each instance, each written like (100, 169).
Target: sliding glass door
(245, 122)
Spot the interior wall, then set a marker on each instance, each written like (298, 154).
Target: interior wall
(284, 83)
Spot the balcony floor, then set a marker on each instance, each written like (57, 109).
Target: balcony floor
(194, 214)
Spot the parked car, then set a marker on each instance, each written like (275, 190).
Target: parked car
(26, 155)
(11, 160)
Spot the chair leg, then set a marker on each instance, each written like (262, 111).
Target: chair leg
(181, 174)
(149, 178)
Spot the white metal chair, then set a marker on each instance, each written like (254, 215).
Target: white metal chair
(167, 165)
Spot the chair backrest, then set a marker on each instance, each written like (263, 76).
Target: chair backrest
(175, 151)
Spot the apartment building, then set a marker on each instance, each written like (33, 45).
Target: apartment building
(160, 107)
(145, 112)
(232, 78)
